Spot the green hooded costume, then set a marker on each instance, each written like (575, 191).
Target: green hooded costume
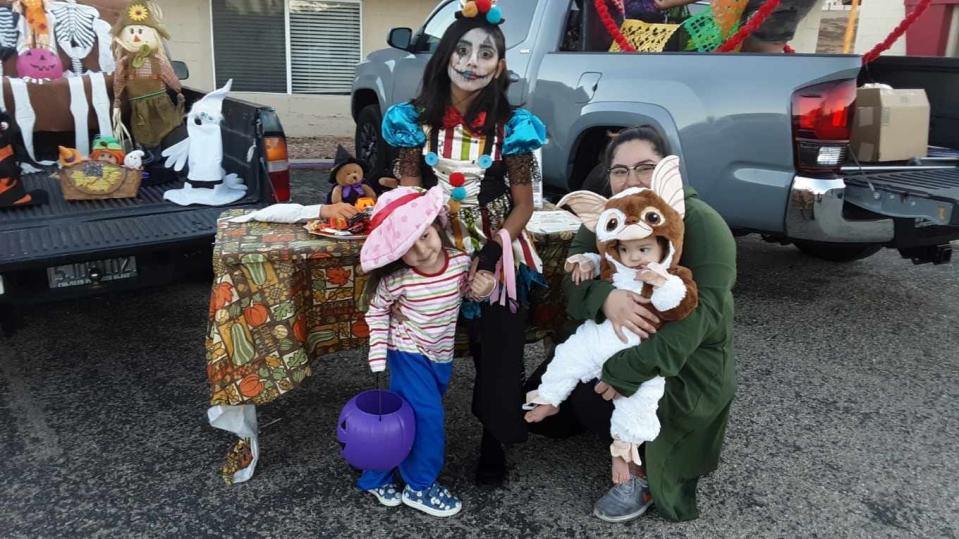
(695, 355)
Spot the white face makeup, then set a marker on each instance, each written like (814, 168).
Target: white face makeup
(474, 61)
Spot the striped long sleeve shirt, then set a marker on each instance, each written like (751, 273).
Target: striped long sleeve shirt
(430, 305)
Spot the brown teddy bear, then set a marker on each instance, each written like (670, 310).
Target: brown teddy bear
(347, 178)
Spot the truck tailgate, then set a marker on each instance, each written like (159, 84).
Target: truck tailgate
(928, 195)
(63, 229)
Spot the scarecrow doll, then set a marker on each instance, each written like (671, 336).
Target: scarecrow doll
(143, 75)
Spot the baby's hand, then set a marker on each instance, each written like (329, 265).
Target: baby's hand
(481, 285)
(653, 274)
(582, 271)
(581, 268)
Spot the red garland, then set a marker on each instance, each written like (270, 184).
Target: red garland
(896, 32)
(751, 25)
(756, 20)
(611, 27)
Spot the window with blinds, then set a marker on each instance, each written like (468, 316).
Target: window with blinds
(251, 45)
(324, 45)
(248, 44)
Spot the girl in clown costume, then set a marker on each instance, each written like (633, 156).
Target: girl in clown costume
(462, 134)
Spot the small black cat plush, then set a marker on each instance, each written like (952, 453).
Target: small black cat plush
(12, 151)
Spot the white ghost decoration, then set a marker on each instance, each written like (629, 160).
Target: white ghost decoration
(202, 151)
(134, 160)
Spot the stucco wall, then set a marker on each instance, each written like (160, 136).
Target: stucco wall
(302, 115)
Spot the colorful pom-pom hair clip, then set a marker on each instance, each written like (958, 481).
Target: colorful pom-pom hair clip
(480, 8)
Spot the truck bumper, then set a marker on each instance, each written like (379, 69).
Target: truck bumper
(815, 212)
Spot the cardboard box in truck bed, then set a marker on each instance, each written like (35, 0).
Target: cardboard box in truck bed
(890, 124)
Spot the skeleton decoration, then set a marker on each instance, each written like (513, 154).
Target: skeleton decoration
(202, 150)
(74, 28)
(9, 32)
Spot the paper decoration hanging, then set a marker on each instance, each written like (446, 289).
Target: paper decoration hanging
(644, 36)
(704, 34)
(710, 28)
(728, 14)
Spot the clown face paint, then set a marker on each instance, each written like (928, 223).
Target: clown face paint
(475, 61)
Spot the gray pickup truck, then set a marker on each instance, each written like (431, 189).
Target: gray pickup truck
(751, 143)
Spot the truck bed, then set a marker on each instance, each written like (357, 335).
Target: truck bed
(61, 229)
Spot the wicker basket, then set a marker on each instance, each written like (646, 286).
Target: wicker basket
(96, 180)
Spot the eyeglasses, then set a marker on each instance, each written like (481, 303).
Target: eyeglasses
(621, 172)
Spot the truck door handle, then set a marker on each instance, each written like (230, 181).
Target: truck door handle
(513, 76)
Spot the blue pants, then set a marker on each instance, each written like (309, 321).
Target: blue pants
(422, 383)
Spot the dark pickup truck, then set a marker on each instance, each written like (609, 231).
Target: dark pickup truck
(67, 249)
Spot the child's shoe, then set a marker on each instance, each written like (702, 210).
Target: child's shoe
(387, 495)
(435, 500)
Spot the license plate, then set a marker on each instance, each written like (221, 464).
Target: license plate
(97, 271)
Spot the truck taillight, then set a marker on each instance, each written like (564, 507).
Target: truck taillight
(278, 165)
(822, 116)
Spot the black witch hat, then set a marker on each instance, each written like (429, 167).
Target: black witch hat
(343, 158)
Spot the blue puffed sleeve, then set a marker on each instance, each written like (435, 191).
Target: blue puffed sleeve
(524, 132)
(401, 127)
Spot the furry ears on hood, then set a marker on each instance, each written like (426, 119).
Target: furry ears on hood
(667, 182)
(587, 205)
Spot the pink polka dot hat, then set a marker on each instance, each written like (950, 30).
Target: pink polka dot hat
(399, 218)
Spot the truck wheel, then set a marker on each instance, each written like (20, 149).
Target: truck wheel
(370, 146)
(837, 252)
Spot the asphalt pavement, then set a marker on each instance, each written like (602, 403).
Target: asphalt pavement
(845, 423)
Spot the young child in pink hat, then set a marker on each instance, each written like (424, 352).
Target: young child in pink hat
(419, 285)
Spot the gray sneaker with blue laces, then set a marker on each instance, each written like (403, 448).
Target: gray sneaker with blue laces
(435, 500)
(387, 495)
(624, 502)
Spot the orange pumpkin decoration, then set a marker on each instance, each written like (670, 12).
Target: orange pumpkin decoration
(338, 276)
(256, 314)
(251, 385)
(364, 203)
(299, 330)
(360, 329)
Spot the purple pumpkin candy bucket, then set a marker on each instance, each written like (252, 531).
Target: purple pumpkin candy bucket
(376, 430)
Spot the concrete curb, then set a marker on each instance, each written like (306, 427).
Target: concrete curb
(311, 163)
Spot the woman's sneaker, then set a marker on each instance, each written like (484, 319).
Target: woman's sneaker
(625, 501)
(435, 500)
(387, 495)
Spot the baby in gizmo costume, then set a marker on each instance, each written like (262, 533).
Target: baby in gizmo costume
(639, 235)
